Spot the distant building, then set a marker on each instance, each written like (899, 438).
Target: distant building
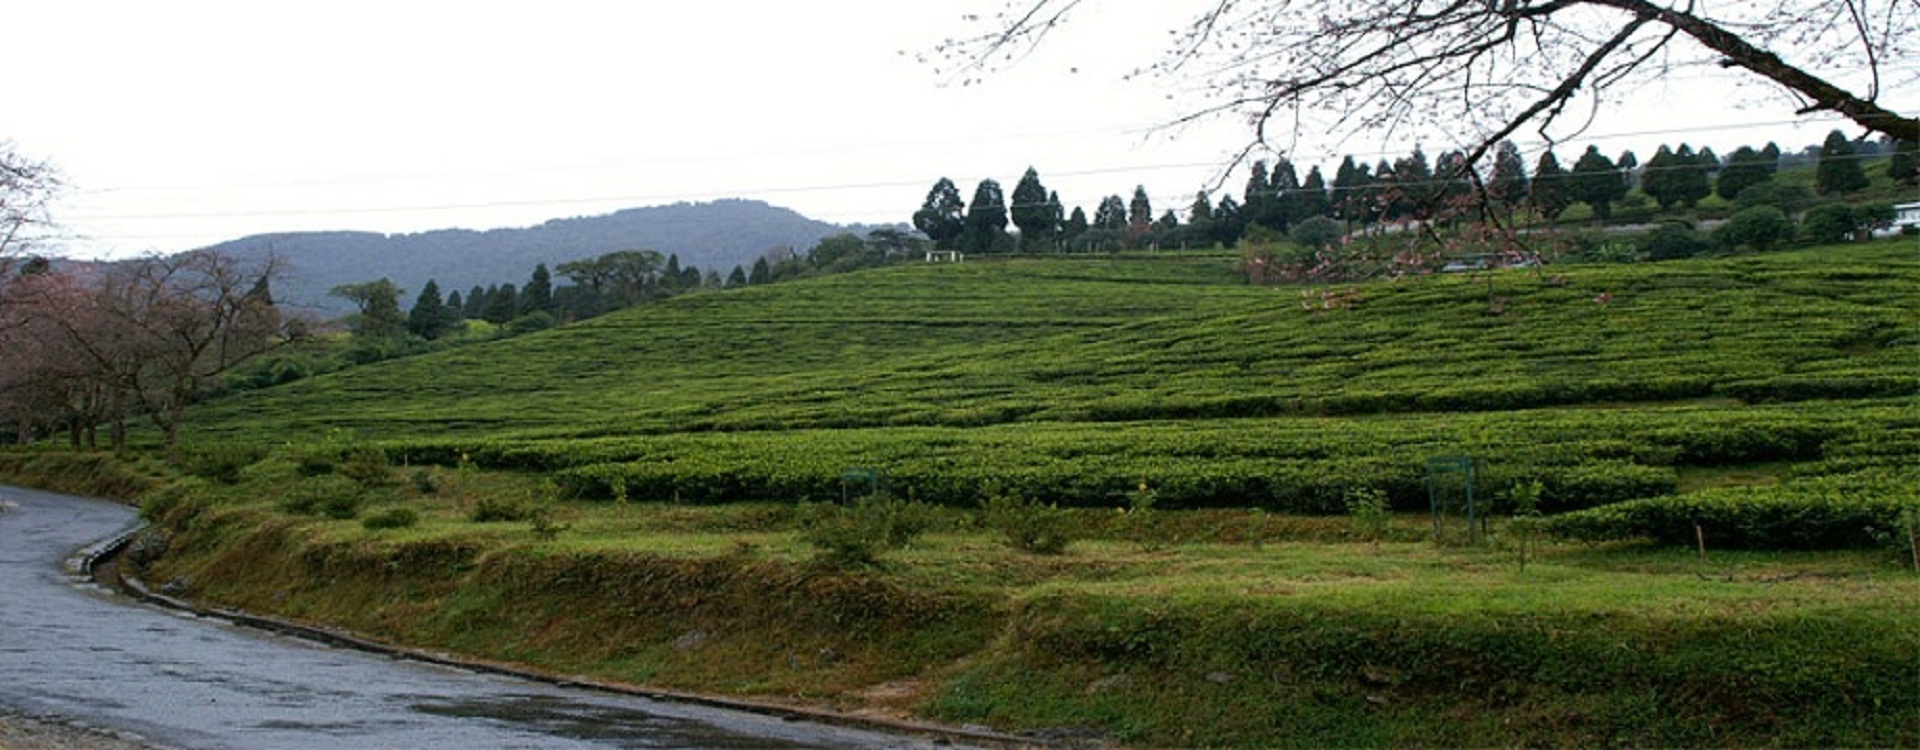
(1906, 218)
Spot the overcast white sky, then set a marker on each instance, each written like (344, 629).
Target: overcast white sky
(185, 123)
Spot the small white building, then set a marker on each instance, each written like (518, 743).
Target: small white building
(1904, 215)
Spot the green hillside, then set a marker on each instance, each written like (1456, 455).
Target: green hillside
(1079, 379)
(619, 499)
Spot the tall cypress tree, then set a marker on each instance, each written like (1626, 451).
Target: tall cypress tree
(1839, 170)
(538, 296)
(1549, 194)
(1596, 182)
(1350, 192)
(1035, 215)
(986, 222)
(1313, 199)
(428, 317)
(1745, 168)
(943, 216)
(476, 304)
(1139, 215)
(1509, 184)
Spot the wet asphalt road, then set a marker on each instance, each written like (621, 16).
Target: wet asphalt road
(69, 648)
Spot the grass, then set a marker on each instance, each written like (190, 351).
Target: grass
(1308, 635)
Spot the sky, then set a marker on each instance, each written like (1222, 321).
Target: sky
(186, 123)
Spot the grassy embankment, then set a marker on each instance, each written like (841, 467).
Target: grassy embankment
(662, 451)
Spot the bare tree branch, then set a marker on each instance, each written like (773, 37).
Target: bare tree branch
(1485, 68)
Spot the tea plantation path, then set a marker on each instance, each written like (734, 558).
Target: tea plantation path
(72, 650)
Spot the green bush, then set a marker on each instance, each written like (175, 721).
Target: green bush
(1673, 241)
(1028, 526)
(391, 518)
(856, 535)
(221, 463)
(495, 509)
(1757, 228)
(1829, 512)
(367, 467)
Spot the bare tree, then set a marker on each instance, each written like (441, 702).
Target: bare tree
(1492, 67)
(26, 188)
(151, 332)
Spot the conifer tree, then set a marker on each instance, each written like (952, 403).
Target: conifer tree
(1509, 183)
(538, 295)
(1350, 182)
(1032, 212)
(1313, 199)
(1903, 165)
(942, 218)
(1839, 170)
(1549, 193)
(476, 303)
(1139, 215)
(503, 303)
(737, 278)
(1745, 168)
(428, 317)
(1596, 182)
(761, 273)
(1073, 227)
(986, 222)
(1111, 215)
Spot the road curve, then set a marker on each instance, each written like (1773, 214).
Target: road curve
(71, 649)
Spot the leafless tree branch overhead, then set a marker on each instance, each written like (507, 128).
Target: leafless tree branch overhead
(1483, 69)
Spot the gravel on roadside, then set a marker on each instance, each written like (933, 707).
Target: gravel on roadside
(23, 732)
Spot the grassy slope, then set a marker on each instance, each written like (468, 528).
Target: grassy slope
(1077, 379)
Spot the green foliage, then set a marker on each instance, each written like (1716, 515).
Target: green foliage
(493, 509)
(1757, 228)
(1839, 170)
(1523, 502)
(1026, 525)
(1317, 233)
(857, 534)
(1673, 241)
(1830, 223)
(367, 467)
(1073, 380)
(1823, 512)
(221, 463)
(1368, 509)
(391, 518)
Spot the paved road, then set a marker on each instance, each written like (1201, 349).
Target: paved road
(69, 648)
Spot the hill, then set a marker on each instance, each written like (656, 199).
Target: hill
(1078, 379)
(717, 235)
(1742, 406)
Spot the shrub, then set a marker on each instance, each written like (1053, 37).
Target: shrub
(221, 463)
(367, 467)
(856, 535)
(492, 509)
(391, 518)
(1759, 228)
(1028, 526)
(1829, 223)
(1368, 508)
(1672, 241)
(1830, 512)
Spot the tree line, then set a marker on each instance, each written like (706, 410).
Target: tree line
(1279, 202)
(99, 344)
(379, 328)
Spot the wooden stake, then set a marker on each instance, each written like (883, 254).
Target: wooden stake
(1700, 537)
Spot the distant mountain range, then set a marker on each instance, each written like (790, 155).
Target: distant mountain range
(717, 235)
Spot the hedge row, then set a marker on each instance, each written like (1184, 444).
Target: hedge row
(1862, 509)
